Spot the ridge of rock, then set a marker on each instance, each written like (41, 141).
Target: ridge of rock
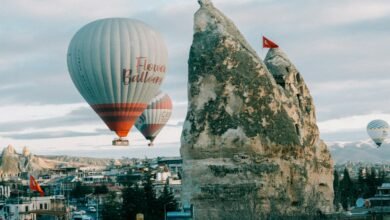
(299, 101)
(26, 151)
(12, 163)
(9, 150)
(208, 18)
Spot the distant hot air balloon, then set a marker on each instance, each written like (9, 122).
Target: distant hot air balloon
(378, 131)
(155, 116)
(117, 64)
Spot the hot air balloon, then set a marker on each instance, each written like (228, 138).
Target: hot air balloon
(117, 64)
(155, 116)
(378, 131)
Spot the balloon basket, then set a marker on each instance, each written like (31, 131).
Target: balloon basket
(120, 142)
(150, 144)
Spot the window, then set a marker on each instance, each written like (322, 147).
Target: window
(45, 205)
(299, 100)
(41, 206)
(297, 129)
(26, 208)
(298, 78)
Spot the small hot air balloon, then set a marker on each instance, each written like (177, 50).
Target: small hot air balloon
(378, 131)
(117, 64)
(155, 116)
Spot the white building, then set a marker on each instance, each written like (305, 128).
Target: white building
(29, 208)
(5, 191)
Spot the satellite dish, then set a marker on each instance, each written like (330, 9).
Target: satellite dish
(360, 202)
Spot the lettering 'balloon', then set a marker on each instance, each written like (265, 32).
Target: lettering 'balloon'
(117, 64)
(155, 116)
(378, 131)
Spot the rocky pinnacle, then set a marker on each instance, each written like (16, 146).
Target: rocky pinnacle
(250, 143)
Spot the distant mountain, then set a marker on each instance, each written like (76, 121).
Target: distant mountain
(12, 163)
(81, 161)
(364, 151)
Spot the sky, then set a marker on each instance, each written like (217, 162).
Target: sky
(341, 48)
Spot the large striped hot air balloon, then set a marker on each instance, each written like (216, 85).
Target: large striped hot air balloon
(117, 64)
(155, 116)
(378, 131)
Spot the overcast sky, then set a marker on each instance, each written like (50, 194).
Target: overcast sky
(341, 48)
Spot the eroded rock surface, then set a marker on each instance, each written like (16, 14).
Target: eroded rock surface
(250, 143)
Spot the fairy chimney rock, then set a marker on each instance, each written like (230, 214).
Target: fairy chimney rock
(249, 144)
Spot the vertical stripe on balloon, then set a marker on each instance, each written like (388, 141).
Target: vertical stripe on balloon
(155, 116)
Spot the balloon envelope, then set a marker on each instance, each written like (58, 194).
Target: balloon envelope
(155, 116)
(378, 131)
(117, 64)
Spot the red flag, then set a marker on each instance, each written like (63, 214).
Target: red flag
(34, 186)
(268, 43)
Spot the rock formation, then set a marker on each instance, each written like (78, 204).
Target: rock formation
(13, 163)
(26, 151)
(83, 161)
(250, 143)
(9, 160)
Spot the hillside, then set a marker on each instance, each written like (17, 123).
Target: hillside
(12, 163)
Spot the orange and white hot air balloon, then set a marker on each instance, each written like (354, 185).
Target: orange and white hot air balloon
(155, 116)
(117, 64)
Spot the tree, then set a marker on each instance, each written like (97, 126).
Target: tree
(102, 189)
(374, 180)
(134, 201)
(81, 190)
(166, 201)
(381, 176)
(153, 210)
(144, 200)
(111, 208)
(361, 188)
(336, 189)
(346, 190)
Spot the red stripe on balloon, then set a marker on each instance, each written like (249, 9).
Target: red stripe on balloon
(164, 103)
(119, 117)
(150, 130)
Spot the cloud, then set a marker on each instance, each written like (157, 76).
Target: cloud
(68, 120)
(348, 86)
(53, 134)
(71, 142)
(350, 123)
(71, 9)
(22, 113)
(72, 118)
(178, 124)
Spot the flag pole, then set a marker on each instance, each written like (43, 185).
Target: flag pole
(262, 46)
(262, 52)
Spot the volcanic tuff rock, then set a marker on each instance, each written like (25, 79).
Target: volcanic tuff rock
(26, 151)
(250, 143)
(13, 163)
